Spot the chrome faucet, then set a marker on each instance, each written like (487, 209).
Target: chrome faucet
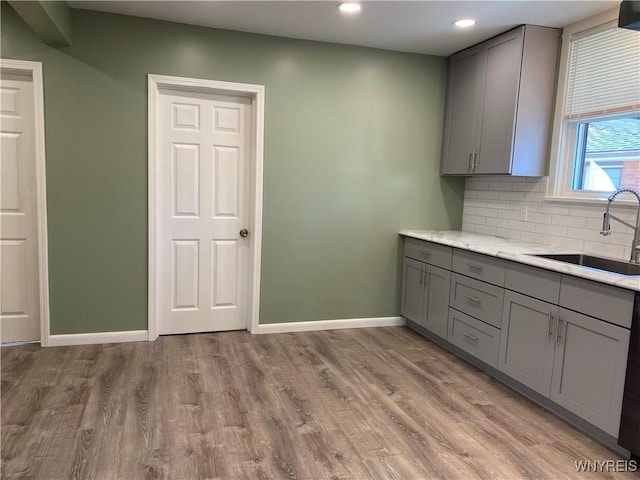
(606, 223)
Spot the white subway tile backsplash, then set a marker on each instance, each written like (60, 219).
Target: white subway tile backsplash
(485, 229)
(522, 226)
(508, 233)
(511, 196)
(509, 214)
(586, 210)
(555, 230)
(480, 186)
(470, 193)
(569, 221)
(486, 212)
(526, 187)
(536, 217)
(554, 208)
(534, 197)
(488, 195)
(494, 205)
(568, 243)
(500, 186)
(596, 248)
(476, 220)
(534, 238)
(498, 222)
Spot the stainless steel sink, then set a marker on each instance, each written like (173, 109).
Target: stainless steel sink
(599, 263)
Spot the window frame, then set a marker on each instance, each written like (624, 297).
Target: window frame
(563, 139)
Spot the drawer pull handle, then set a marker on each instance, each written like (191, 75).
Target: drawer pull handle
(470, 337)
(474, 267)
(549, 329)
(424, 253)
(473, 299)
(559, 335)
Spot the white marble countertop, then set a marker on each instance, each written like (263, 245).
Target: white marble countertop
(521, 252)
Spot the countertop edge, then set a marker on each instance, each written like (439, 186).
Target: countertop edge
(520, 252)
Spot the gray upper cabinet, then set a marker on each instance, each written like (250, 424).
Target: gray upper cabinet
(499, 104)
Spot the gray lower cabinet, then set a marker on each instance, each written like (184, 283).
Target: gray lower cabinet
(577, 361)
(412, 303)
(425, 295)
(528, 341)
(589, 369)
(563, 337)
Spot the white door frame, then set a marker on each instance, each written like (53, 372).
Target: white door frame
(34, 69)
(256, 93)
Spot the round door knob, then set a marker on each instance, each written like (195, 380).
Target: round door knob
(244, 233)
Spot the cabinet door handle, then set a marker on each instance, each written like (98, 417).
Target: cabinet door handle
(474, 161)
(470, 337)
(473, 299)
(559, 333)
(421, 276)
(424, 253)
(469, 161)
(474, 267)
(549, 329)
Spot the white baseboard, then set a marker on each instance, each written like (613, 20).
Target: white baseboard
(95, 338)
(330, 324)
(143, 335)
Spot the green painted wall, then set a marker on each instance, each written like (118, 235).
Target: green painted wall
(351, 157)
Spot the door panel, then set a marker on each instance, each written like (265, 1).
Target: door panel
(528, 341)
(203, 166)
(412, 305)
(462, 99)
(438, 282)
(589, 369)
(499, 104)
(19, 277)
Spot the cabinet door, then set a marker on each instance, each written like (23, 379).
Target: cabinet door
(497, 122)
(527, 341)
(437, 283)
(462, 107)
(589, 369)
(412, 302)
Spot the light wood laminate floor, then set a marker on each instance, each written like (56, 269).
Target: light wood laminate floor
(368, 403)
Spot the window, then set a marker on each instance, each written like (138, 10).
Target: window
(596, 138)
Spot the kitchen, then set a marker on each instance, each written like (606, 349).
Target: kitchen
(343, 174)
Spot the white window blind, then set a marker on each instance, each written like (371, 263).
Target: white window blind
(604, 73)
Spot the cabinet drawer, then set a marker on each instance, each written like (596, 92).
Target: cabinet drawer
(479, 299)
(612, 304)
(479, 266)
(474, 337)
(432, 253)
(534, 282)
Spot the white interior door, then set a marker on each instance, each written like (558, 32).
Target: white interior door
(19, 282)
(203, 204)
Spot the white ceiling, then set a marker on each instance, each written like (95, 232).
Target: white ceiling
(413, 26)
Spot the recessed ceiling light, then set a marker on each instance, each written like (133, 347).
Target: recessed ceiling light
(349, 7)
(465, 22)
